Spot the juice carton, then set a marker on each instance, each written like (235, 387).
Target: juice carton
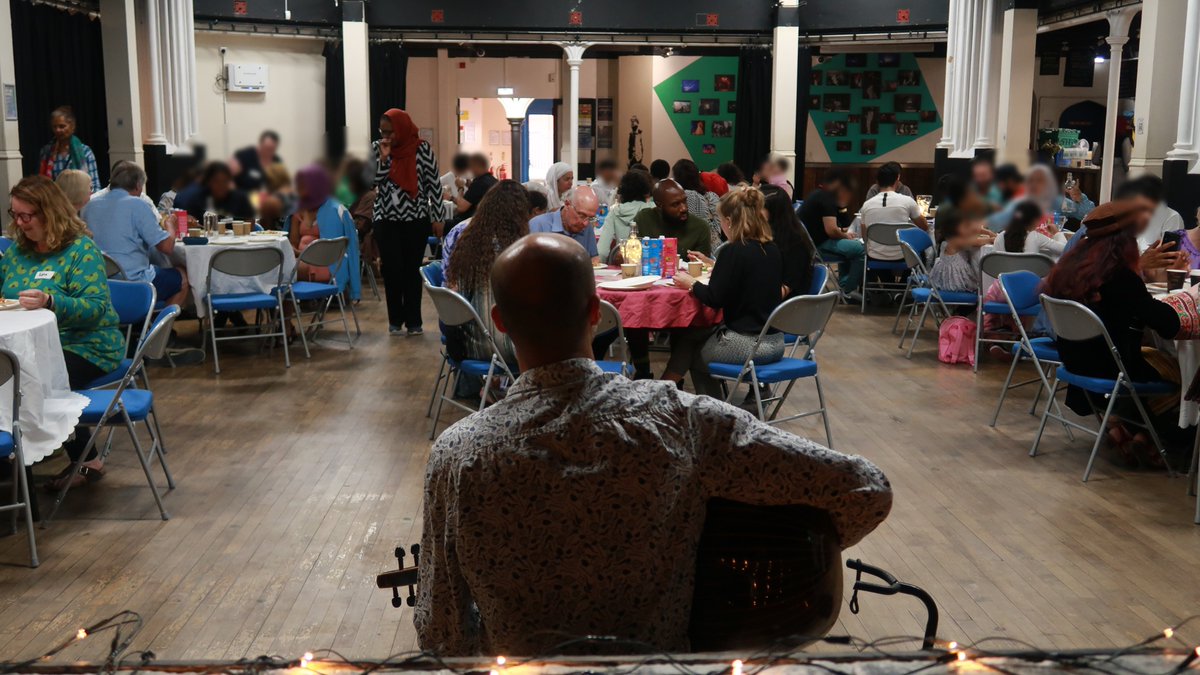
(670, 257)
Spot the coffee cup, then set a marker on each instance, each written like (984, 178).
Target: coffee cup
(695, 268)
(1175, 279)
(628, 269)
(195, 232)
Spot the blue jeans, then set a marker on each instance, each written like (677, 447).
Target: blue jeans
(850, 256)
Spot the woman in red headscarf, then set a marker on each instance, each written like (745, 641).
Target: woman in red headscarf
(408, 196)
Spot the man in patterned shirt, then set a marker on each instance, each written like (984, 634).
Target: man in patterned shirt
(575, 505)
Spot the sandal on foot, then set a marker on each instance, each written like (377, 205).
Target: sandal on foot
(86, 475)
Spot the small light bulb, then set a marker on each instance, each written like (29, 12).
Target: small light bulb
(1197, 651)
(962, 656)
(1168, 633)
(306, 659)
(737, 667)
(493, 672)
(81, 634)
(952, 646)
(500, 660)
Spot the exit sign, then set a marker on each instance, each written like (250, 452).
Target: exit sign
(712, 20)
(902, 16)
(239, 7)
(437, 16)
(576, 19)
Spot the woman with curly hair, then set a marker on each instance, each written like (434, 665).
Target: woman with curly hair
(54, 265)
(501, 218)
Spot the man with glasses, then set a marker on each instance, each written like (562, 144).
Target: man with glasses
(576, 219)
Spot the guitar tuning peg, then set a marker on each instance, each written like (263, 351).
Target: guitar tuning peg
(416, 550)
(399, 553)
(411, 601)
(397, 601)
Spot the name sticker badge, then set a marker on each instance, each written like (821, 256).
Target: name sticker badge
(44, 274)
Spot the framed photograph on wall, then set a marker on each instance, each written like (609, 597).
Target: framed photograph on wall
(709, 149)
(869, 123)
(690, 86)
(698, 127)
(837, 103)
(872, 85)
(604, 109)
(835, 78)
(836, 128)
(909, 78)
(731, 107)
(889, 60)
(722, 129)
(814, 102)
(887, 118)
(907, 128)
(817, 78)
(682, 107)
(844, 146)
(856, 60)
(907, 103)
(867, 147)
(724, 83)
(928, 115)
(710, 106)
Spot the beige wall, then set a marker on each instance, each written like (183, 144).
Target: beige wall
(1053, 98)
(293, 105)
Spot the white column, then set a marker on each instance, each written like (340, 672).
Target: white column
(167, 55)
(990, 24)
(10, 142)
(950, 104)
(356, 67)
(1119, 22)
(119, 45)
(574, 52)
(785, 62)
(1017, 70)
(1186, 146)
(972, 72)
(1160, 61)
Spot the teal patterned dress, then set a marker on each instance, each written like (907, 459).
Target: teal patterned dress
(74, 277)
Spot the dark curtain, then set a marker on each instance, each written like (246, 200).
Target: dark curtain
(335, 102)
(59, 61)
(389, 77)
(752, 126)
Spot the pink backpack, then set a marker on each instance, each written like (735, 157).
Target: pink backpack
(956, 341)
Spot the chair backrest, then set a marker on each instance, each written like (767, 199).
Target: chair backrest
(432, 273)
(10, 369)
(154, 342)
(1021, 289)
(246, 262)
(911, 257)
(885, 234)
(998, 262)
(917, 238)
(452, 308)
(805, 316)
(5, 242)
(325, 253)
(133, 300)
(610, 318)
(820, 277)
(1072, 320)
(112, 268)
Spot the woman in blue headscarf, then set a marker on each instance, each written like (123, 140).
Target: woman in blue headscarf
(319, 215)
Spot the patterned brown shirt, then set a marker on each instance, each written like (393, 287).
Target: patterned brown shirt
(575, 506)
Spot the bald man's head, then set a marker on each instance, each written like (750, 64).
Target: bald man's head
(671, 201)
(579, 208)
(546, 301)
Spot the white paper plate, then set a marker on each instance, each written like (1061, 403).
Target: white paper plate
(6, 303)
(631, 284)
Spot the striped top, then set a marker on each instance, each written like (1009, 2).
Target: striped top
(393, 203)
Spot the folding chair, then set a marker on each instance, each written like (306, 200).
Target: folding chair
(328, 253)
(992, 266)
(5, 242)
(246, 262)
(431, 275)
(926, 297)
(1020, 293)
(610, 319)
(805, 316)
(10, 449)
(126, 405)
(365, 267)
(882, 234)
(112, 268)
(820, 261)
(819, 278)
(920, 241)
(134, 302)
(1073, 321)
(454, 310)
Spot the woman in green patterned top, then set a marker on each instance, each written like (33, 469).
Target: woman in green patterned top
(54, 265)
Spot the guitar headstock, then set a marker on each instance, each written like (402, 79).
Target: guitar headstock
(403, 576)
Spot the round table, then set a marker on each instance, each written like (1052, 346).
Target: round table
(49, 409)
(658, 307)
(198, 257)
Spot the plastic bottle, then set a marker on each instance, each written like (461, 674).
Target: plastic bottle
(1068, 204)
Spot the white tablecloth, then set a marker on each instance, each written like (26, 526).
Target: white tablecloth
(197, 259)
(49, 409)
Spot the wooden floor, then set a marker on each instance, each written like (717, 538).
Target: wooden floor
(295, 485)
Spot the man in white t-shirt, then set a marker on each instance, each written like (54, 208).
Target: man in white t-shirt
(888, 206)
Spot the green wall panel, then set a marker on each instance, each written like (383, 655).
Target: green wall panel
(696, 87)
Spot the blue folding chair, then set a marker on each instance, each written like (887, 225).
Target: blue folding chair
(127, 405)
(991, 266)
(882, 234)
(820, 277)
(10, 450)
(330, 254)
(805, 316)
(454, 310)
(1021, 294)
(610, 320)
(919, 241)
(134, 302)
(431, 275)
(928, 298)
(112, 268)
(1075, 322)
(247, 262)
(5, 242)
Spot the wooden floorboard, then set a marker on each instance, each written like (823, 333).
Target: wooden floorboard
(295, 486)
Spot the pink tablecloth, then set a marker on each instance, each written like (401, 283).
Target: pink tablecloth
(660, 307)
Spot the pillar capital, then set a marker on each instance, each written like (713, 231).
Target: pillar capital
(1117, 40)
(574, 51)
(1120, 21)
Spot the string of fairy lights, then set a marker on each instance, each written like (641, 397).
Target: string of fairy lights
(1167, 644)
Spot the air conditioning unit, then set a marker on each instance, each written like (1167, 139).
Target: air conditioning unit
(251, 77)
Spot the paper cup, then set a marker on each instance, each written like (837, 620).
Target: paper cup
(629, 269)
(1175, 279)
(695, 268)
